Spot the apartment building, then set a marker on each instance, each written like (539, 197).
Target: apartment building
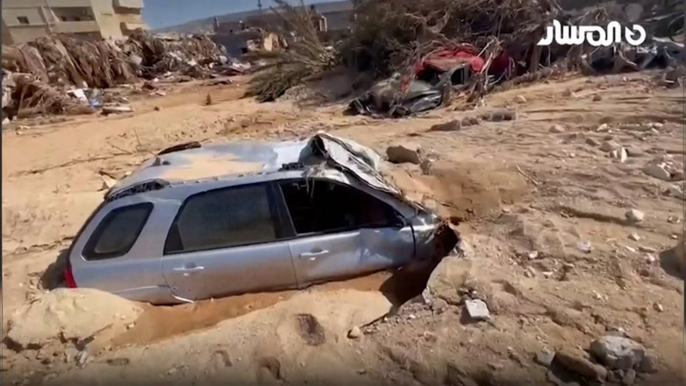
(26, 20)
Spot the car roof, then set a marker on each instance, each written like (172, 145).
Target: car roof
(211, 161)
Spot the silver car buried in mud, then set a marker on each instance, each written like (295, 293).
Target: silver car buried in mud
(205, 221)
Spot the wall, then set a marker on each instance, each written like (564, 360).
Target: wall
(338, 20)
(107, 19)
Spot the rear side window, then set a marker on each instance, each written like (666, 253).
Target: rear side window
(118, 231)
(224, 218)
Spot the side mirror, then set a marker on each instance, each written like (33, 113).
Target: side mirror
(399, 221)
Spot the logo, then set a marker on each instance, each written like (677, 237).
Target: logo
(573, 35)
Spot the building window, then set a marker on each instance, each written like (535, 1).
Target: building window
(23, 20)
(64, 18)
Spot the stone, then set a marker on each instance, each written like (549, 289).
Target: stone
(580, 365)
(544, 357)
(568, 93)
(619, 154)
(658, 170)
(592, 142)
(676, 191)
(648, 364)
(439, 305)
(634, 152)
(354, 333)
(616, 352)
(451, 274)
(658, 307)
(520, 99)
(557, 129)
(477, 309)
(597, 98)
(453, 125)
(629, 377)
(609, 146)
(603, 127)
(584, 246)
(407, 152)
(634, 216)
(470, 121)
(634, 236)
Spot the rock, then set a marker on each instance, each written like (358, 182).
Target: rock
(603, 127)
(580, 365)
(117, 109)
(629, 377)
(425, 166)
(557, 129)
(634, 152)
(617, 353)
(500, 116)
(70, 314)
(665, 168)
(658, 171)
(609, 146)
(470, 121)
(568, 93)
(592, 142)
(439, 305)
(634, 216)
(676, 191)
(648, 364)
(157, 108)
(520, 99)
(658, 307)
(477, 309)
(405, 152)
(597, 98)
(451, 274)
(453, 125)
(354, 333)
(544, 357)
(634, 236)
(619, 154)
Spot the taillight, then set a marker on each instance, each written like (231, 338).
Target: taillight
(69, 277)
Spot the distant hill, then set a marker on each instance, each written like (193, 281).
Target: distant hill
(205, 24)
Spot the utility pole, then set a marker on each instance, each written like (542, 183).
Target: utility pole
(259, 6)
(48, 15)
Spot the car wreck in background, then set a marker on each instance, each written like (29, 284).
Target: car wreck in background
(199, 222)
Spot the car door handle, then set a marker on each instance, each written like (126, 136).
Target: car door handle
(313, 255)
(188, 270)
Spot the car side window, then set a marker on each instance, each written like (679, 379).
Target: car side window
(223, 218)
(322, 206)
(117, 232)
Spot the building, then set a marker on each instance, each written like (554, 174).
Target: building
(26, 20)
(338, 16)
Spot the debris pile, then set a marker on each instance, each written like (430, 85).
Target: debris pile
(428, 51)
(37, 75)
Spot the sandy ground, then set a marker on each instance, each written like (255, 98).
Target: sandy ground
(517, 186)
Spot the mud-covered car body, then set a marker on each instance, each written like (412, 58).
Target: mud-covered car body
(217, 220)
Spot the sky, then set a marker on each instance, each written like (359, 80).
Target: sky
(167, 13)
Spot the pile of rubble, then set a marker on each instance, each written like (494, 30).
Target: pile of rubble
(36, 75)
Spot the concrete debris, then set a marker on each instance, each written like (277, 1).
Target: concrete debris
(634, 216)
(477, 309)
(407, 152)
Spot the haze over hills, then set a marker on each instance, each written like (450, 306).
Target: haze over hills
(205, 24)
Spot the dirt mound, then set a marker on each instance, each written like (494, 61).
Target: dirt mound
(460, 192)
(71, 315)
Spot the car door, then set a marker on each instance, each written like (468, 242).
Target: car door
(227, 241)
(340, 231)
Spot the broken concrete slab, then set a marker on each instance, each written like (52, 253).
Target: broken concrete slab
(617, 352)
